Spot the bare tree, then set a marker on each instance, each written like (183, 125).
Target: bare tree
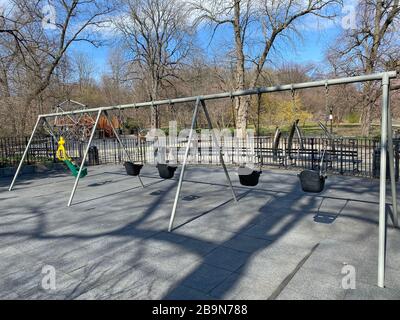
(84, 69)
(272, 20)
(38, 36)
(158, 37)
(373, 45)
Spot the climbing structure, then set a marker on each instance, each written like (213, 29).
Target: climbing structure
(77, 127)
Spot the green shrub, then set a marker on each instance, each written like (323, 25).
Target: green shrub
(353, 117)
(131, 125)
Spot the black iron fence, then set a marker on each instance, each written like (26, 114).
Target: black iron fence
(344, 156)
(11, 150)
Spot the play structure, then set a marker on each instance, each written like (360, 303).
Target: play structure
(78, 126)
(311, 181)
(71, 126)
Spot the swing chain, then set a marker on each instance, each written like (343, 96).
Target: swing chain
(232, 98)
(259, 96)
(293, 91)
(327, 100)
(171, 105)
(326, 93)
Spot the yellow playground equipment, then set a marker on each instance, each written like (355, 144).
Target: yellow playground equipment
(63, 156)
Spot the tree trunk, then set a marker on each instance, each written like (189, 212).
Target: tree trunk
(367, 103)
(242, 114)
(241, 104)
(155, 119)
(366, 118)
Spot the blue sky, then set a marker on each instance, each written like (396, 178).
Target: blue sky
(310, 48)
(316, 35)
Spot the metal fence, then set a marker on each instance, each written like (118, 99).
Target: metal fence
(344, 156)
(11, 150)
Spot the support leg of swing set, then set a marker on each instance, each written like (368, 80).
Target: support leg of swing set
(391, 166)
(38, 121)
(178, 191)
(121, 143)
(84, 157)
(221, 157)
(192, 128)
(382, 187)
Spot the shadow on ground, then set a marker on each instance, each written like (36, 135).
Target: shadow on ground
(276, 243)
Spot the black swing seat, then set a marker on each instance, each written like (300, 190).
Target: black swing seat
(312, 181)
(248, 177)
(132, 169)
(166, 171)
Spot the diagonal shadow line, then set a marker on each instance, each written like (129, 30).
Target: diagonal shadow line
(269, 190)
(273, 236)
(210, 210)
(27, 180)
(118, 192)
(289, 277)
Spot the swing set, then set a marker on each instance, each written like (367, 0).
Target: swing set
(311, 181)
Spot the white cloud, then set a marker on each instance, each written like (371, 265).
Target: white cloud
(108, 29)
(309, 23)
(5, 4)
(345, 18)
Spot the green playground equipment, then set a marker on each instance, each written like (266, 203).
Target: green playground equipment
(63, 156)
(75, 169)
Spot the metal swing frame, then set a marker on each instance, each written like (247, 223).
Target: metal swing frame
(42, 120)
(386, 142)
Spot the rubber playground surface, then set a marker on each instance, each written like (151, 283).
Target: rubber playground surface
(112, 243)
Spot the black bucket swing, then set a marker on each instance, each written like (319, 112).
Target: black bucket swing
(132, 169)
(249, 177)
(313, 181)
(166, 171)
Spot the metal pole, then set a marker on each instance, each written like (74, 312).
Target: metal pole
(221, 157)
(121, 143)
(78, 103)
(54, 139)
(178, 191)
(50, 129)
(39, 119)
(391, 163)
(84, 158)
(280, 88)
(382, 196)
